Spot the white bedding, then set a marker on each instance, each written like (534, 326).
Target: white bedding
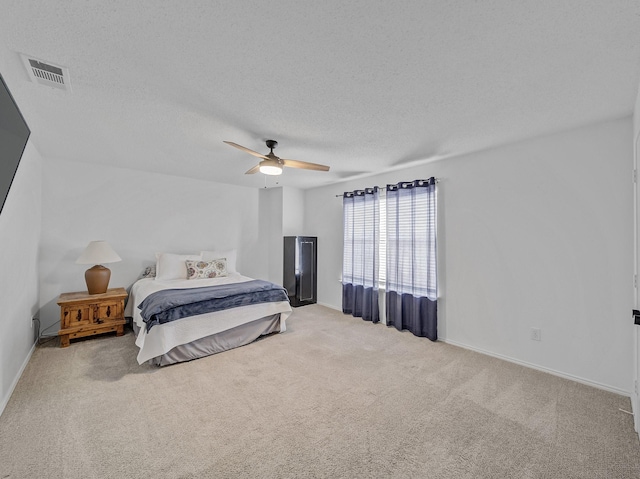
(164, 337)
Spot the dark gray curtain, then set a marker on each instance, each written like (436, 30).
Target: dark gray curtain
(360, 260)
(411, 281)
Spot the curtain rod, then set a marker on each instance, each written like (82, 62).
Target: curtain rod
(384, 187)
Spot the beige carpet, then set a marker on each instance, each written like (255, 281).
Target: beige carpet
(332, 397)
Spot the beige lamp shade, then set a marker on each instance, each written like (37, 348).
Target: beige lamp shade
(98, 252)
(97, 277)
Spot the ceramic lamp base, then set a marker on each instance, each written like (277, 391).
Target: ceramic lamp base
(97, 279)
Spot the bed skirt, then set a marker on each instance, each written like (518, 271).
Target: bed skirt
(219, 342)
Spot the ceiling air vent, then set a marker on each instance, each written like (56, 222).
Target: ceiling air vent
(47, 73)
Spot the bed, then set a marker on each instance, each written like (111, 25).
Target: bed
(197, 331)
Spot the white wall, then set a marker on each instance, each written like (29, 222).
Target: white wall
(636, 116)
(323, 219)
(271, 232)
(139, 214)
(534, 234)
(292, 211)
(19, 237)
(281, 214)
(635, 401)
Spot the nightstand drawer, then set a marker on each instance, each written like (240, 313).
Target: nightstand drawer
(74, 316)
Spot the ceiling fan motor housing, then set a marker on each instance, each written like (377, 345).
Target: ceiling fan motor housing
(271, 144)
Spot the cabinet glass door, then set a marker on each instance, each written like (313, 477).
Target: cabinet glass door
(306, 270)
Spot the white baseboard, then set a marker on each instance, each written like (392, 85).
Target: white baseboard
(578, 379)
(5, 399)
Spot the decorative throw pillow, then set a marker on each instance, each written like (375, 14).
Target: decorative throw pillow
(149, 272)
(216, 268)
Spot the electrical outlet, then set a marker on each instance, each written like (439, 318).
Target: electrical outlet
(536, 334)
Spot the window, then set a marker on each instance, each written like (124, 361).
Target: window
(411, 286)
(360, 216)
(360, 261)
(390, 244)
(411, 241)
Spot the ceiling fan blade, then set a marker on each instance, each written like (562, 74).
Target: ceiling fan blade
(304, 164)
(253, 170)
(251, 152)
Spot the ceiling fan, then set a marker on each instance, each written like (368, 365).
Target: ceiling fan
(272, 165)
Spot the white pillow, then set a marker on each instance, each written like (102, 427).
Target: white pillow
(173, 266)
(229, 255)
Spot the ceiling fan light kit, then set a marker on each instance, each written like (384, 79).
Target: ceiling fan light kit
(269, 167)
(271, 164)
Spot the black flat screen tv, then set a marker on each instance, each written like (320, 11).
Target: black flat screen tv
(14, 134)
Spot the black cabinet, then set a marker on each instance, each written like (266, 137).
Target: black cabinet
(300, 269)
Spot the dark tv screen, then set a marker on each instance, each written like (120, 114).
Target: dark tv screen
(14, 134)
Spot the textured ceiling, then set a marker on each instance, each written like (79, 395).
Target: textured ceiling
(361, 85)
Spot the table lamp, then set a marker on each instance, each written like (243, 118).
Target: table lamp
(97, 277)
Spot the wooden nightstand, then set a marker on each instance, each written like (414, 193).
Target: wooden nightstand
(83, 314)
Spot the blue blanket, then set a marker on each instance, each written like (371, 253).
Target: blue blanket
(171, 304)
